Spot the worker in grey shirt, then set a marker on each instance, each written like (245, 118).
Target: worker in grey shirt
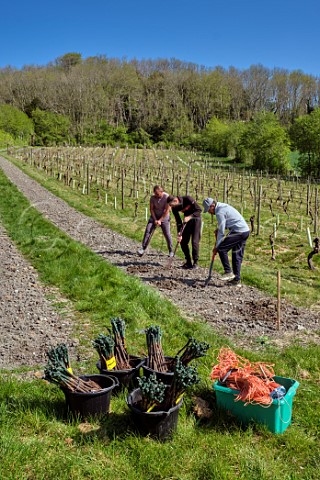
(229, 218)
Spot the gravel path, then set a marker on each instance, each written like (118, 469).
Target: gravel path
(29, 321)
(245, 314)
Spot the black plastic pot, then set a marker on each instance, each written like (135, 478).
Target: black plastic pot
(126, 378)
(160, 425)
(166, 377)
(91, 403)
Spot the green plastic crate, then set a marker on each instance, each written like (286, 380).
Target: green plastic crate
(277, 417)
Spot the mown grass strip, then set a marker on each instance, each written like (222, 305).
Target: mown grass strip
(38, 442)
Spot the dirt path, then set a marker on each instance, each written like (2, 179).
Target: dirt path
(246, 314)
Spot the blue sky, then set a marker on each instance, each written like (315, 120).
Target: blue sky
(239, 33)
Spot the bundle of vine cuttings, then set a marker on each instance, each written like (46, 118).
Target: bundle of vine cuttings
(104, 344)
(156, 360)
(152, 393)
(158, 396)
(58, 371)
(120, 349)
(193, 349)
(184, 377)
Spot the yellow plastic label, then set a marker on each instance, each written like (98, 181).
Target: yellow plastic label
(179, 398)
(152, 407)
(69, 370)
(111, 363)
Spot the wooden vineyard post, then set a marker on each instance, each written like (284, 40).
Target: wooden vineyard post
(122, 189)
(315, 229)
(278, 300)
(309, 237)
(88, 179)
(259, 209)
(84, 170)
(224, 190)
(188, 179)
(242, 179)
(308, 198)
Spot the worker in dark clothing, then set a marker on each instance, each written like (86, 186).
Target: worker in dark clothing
(192, 228)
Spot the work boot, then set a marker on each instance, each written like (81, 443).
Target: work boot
(227, 276)
(234, 283)
(141, 251)
(187, 266)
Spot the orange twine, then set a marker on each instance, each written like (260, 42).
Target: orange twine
(253, 380)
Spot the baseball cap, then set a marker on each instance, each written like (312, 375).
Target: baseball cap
(207, 203)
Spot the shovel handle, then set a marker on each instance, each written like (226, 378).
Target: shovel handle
(210, 270)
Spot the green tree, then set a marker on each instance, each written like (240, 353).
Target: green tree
(16, 123)
(69, 60)
(305, 137)
(233, 141)
(6, 139)
(140, 137)
(215, 137)
(267, 143)
(51, 128)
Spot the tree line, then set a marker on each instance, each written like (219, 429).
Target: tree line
(100, 100)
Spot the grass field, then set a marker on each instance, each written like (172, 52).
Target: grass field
(39, 442)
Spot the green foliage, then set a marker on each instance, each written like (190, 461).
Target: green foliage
(15, 122)
(69, 60)
(305, 137)
(6, 139)
(59, 355)
(118, 327)
(223, 139)
(153, 334)
(104, 344)
(267, 143)
(234, 145)
(215, 137)
(140, 137)
(51, 128)
(168, 102)
(184, 376)
(105, 134)
(193, 349)
(152, 391)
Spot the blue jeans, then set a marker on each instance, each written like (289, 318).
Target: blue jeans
(235, 242)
